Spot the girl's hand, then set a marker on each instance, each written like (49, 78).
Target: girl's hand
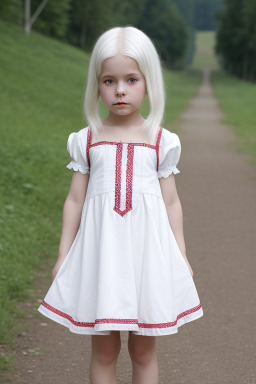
(189, 267)
(56, 268)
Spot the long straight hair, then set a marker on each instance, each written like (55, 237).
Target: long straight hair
(131, 42)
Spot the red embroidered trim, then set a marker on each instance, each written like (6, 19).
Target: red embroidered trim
(129, 167)
(129, 176)
(157, 146)
(88, 145)
(118, 177)
(120, 321)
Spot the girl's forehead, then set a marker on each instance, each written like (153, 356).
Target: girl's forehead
(119, 64)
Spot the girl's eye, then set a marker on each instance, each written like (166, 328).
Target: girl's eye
(132, 80)
(108, 82)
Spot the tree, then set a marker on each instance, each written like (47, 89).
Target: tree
(186, 9)
(236, 38)
(54, 19)
(162, 22)
(157, 18)
(12, 11)
(29, 21)
(205, 11)
(124, 11)
(88, 19)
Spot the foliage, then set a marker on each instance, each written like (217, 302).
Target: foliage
(163, 23)
(87, 20)
(156, 18)
(236, 38)
(198, 15)
(53, 20)
(205, 11)
(80, 22)
(12, 10)
(125, 11)
(186, 10)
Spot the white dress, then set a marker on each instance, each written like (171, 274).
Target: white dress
(124, 270)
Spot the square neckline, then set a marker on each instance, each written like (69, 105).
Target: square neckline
(106, 142)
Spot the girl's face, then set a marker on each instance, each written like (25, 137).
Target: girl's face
(122, 85)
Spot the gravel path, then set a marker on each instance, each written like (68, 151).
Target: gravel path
(217, 188)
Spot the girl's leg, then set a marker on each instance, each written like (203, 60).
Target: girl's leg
(142, 350)
(105, 352)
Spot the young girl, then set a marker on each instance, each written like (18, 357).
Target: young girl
(122, 262)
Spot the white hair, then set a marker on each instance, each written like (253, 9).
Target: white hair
(131, 42)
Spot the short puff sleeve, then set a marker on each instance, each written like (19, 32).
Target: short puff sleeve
(169, 154)
(76, 147)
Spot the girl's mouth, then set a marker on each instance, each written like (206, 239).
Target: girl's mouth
(120, 104)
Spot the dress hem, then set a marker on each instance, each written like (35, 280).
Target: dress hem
(105, 329)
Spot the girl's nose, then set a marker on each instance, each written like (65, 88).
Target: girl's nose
(120, 90)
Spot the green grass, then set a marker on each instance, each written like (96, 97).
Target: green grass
(180, 88)
(204, 56)
(237, 99)
(42, 87)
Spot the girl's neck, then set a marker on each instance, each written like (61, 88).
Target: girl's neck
(130, 122)
(128, 130)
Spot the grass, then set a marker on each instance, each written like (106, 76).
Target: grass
(42, 87)
(237, 99)
(42, 84)
(180, 87)
(205, 56)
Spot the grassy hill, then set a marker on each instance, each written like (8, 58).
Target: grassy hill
(42, 87)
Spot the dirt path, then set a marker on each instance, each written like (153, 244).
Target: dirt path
(217, 188)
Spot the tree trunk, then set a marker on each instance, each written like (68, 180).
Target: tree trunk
(27, 17)
(83, 35)
(245, 63)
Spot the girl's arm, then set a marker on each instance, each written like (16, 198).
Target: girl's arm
(71, 217)
(174, 211)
